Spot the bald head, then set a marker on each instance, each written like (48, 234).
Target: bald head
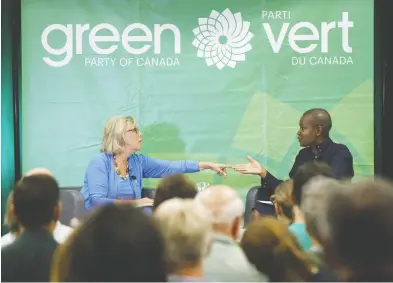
(222, 203)
(38, 171)
(320, 118)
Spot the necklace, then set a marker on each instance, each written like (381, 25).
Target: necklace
(117, 169)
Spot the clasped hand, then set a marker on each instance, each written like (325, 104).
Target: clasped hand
(253, 167)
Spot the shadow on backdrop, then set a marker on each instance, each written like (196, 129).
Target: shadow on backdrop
(162, 138)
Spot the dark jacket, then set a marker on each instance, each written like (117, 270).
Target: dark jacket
(29, 258)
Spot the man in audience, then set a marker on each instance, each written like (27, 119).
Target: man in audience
(37, 209)
(172, 186)
(303, 175)
(315, 197)
(361, 232)
(313, 135)
(226, 261)
(60, 233)
(186, 230)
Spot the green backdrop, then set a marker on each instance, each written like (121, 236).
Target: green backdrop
(190, 110)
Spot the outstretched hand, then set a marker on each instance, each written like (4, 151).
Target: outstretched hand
(253, 167)
(220, 169)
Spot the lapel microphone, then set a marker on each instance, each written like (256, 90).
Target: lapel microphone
(132, 177)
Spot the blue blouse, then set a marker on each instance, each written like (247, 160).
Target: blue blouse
(102, 184)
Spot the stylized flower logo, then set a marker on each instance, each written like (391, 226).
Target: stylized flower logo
(223, 38)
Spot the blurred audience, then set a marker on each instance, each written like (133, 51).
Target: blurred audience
(116, 243)
(226, 261)
(11, 222)
(60, 233)
(304, 174)
(282, 201)
(275, 251)
(325, 230)
(360, 226)
(174, 186)
(37, 209)
(187, 233)
(315, 197)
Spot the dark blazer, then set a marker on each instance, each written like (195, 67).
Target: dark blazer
(29, 258)
(336, 155)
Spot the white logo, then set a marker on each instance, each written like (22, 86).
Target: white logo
(223, 38)
(80, 35)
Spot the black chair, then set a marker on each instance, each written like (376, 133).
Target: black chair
(73, 204)
(148, 193)
(250, 203)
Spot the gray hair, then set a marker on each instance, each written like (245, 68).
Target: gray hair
(315, 200)
(186, 230)
(222, 203)
(113, 136)
(361, 230)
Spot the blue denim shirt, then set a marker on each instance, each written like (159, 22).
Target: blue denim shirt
(101, 183)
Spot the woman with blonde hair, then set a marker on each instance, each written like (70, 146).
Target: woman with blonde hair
(115, 175)
(275, 251)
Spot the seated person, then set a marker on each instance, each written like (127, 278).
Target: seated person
(360, 232)
(226, 261)
(315, 196)
(282, 201)
(186, 230)
(174, 186)
(11, 222)
(115, 175)
(60, 233)
(313, 136)
(304, 174)
(37, 209)
(275, 251)
(115, 243)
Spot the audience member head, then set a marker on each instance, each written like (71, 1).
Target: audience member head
(116, 243)
(121, 136)
(282, 200)
(172, 186)
(305, 173)
(275, 251)
(224, 207)
(36, 202)
(10, 219)
(361, 232)
(315, 198)
(38, 171)
(186, 230)
(315, 125)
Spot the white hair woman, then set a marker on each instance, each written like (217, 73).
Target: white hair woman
(186, 229)
(115, 174)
